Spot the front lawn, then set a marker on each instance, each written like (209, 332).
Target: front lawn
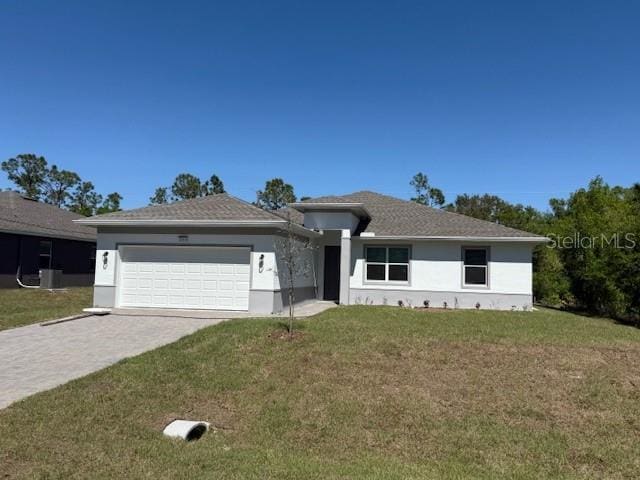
(24, 306)
(364, 392)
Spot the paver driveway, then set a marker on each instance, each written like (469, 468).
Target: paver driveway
(36, 358)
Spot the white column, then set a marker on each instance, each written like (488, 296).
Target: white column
(345, 266)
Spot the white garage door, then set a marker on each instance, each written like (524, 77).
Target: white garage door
(213, 278)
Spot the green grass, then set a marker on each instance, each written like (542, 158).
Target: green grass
(25, 306)
(364, 392)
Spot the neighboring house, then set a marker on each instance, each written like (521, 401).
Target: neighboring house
(219, 252)
(36, 236)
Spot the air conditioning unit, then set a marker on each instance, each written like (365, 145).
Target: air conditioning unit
(50, 279)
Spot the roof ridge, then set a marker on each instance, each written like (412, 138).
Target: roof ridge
(311, 200)
(162, 205)
(212, 207)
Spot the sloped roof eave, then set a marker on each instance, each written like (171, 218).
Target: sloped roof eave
(51, 234)
(468, 238)
(280, 224)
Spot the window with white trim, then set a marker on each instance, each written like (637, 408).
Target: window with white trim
(476, 266)
(387, 264)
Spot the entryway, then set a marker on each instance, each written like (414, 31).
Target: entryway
(331, 273)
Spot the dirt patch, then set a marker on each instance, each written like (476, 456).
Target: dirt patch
(288, 336)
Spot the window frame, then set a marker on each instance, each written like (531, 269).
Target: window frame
(386, 265)
(487, 267)
(40, 254)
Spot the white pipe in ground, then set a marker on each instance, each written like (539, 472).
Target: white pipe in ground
(186, 429)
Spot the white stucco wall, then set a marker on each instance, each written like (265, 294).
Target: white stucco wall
(265, 278)
(437, 266)
(306, 270)
(331, 220)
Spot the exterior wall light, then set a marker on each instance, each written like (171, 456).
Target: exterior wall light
(105, 260)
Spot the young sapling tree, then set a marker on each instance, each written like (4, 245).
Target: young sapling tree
(295, 255)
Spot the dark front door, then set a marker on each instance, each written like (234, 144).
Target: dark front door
(331, 273)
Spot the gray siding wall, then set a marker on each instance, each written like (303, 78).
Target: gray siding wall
(72, 257)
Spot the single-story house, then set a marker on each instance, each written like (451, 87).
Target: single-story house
(36, 237)
(221, 253)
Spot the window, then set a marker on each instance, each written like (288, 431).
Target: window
(387, 264)
(475, 266)
(44, 261)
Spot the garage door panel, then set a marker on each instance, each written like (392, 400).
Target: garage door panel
(176, 300)
(239, 302)
(194, 301)
(160, 283)
(194, 268)
(130, 268)
(177, 268)
(185, 277)
(209, 301)
(128, 297)
(145, 299)
(209, 285)
(160, 300)
(225, 302)
(226, 270)
(242, 269)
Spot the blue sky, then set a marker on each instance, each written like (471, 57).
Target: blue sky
(527, 100)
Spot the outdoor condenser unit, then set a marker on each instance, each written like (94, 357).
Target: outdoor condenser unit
(50, 279)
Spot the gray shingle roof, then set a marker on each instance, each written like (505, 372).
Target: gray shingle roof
(212, 207)
(19, 214)
(389, 216)
(395, 217)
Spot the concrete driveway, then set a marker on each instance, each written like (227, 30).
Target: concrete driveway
(36, 358)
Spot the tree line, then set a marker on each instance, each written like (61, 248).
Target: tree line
(275, 195)
(62, 188)
(591, 263)
(593, 259)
